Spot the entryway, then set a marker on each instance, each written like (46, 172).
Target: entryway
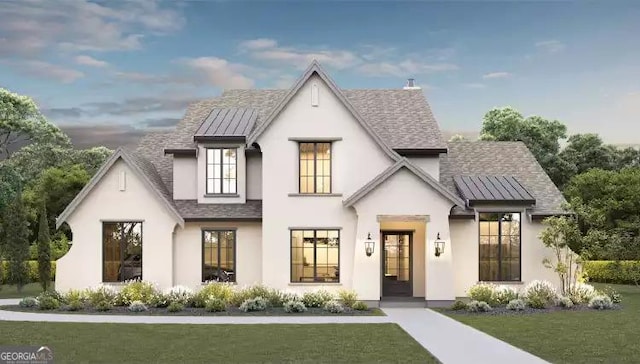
(397, 263)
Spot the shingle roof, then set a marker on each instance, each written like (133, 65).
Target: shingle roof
(192, 210)
(492, 189)
(227, 122)
(502, 158)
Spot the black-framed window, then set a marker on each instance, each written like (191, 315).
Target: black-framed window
(222, 174)
(315, 255)
(121, 251)
(315, 168)
(500, 242)
(219, 255)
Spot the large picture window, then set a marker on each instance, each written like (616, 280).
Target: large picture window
(122, 251)
(315, 167)
(219, 255)
(500, 247)
(221, 171)
(315, 255)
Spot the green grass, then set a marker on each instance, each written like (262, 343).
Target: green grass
(129, 343)
(572, 337)
(29, 290)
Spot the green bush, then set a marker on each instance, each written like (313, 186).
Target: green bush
(100, 295)
(179, 294)
(612, 294)
(540, 294)
(32, 271)
(317, 298)
(273, 296)
(458, 305)
(74, 305)
(537, 302)
(482, 292)
(254, 304)
(360, 306)
(103, 306)
(135, 291)
(138, 306)
(333, 306)
(48, 302)
(565, 302)
(478, 306)
(221, 291)
(516, 305)
(610, 271)
(504, 294)
(28, 302)
(214, 304)
(347, 297)
(601, 303)
(175, 307)
(294, 306)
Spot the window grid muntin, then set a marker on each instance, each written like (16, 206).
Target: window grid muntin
(214, 251)
(314, 168)
(120, 244)
(488, 224)
(330, 238)
(222, 171)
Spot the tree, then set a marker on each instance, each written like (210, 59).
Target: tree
(16, 236)
(21, 122)
(10, 184)
(44, 250)
(587, 151)
(560, 235)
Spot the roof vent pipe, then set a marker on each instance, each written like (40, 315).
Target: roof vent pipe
(411, 85)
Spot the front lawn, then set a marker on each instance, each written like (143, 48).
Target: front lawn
(131, 343)
(571, 336)
(29, 290)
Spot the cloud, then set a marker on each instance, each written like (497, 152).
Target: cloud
(90, 61)
(72, 112)
(404, 69)
(493, 75)
(551, 46)
(161, 122)
(219, 72)
(41, 69)
(269, 50)
(260, 43)
(105, 133)
(474, 85)
(138, 105)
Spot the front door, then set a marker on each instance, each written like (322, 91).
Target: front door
(396, 264)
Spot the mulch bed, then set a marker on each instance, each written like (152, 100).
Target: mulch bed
(502, 310)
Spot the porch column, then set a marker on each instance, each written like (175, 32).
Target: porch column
(366, 270)
(439, 272)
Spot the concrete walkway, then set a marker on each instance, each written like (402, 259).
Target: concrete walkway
(452, 342)
(447, 339)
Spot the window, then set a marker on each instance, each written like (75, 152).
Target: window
(500, 247)
(221, 171)
(122, 251)
(315, 256)
(315, 167)
(218, 255)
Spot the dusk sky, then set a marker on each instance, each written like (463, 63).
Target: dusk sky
(107, 72)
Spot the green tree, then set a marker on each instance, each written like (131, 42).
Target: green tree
(10, 184)
(16, 236)
(44, 250)
(22, 122)
(587, 151)
(562, 236)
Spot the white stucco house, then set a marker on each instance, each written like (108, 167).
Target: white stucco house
(314, 186)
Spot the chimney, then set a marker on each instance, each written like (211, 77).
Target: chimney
(411, 85)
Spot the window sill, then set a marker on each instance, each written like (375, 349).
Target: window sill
(506, 283)
(114, 284)
(230, 195)
(315, 284)
(315, 195)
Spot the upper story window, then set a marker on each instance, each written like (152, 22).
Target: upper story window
(500, 247)
(222, 174)
(315, 167)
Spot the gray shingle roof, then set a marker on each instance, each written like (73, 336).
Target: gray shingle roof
(502, 158)
(491, 189)
(192, 210)
(227, 122)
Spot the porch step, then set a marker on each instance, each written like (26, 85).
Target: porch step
(403, 302)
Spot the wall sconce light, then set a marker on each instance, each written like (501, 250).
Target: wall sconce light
(369, 245)
(439, 244)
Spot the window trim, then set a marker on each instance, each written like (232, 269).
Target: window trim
(500, 278)
(141, 222)
(206, 180)
(315, 143)
(315, 264)
(235, 249)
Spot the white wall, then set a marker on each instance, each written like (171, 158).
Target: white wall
(185, 182)
(81, 267)
(241, 169)
(254, 176)
(429, 164)
(188, 252)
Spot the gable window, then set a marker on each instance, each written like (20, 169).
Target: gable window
(315, 255)
(500, 247)
(315, 167)
(121, 251)
(218, 255)
(222, 171)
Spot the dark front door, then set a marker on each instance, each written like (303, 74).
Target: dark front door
(396, 263)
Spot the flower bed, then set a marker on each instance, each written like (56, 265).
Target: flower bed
(217, 299)
(536, 297)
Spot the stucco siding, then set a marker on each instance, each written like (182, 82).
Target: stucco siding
(81, 267)
(429, 164)
(254, 176)
(185, 183)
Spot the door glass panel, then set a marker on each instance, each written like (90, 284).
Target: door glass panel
(397, 257)
(403, 258)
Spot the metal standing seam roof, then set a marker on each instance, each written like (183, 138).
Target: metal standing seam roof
(483, 188)
(227, 122)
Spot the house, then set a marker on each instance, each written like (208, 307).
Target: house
(315, 186)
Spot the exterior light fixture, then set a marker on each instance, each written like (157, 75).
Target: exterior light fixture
(369, 245)
(439, 245)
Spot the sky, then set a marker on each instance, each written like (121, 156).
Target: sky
(107, 72)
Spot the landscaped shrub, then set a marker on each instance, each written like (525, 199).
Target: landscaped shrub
(254, 304)
(582, 293)
(75, 295)
(609, 271)
(272, 296)
(458, 305)
(214, 304)
(103, 306)
(317, 298)
(360, 306)
(483, 292)
(294, 306)
(504, 294)
(74, 305)
(159, 299)
(478, 306)
(601, 302)
(540, 294)
(613, 294)
(28, 302)
(32, 271)
(100, 294)
(47, 302)
(175, 307)
(347, 297)
(219, 290)
(565, 302)
(135, 291)
(179, 294)
(138, 306)
(516, 305)
(333, 306)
